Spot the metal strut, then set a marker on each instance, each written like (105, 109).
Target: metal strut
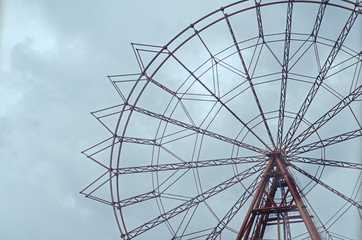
(268, 209)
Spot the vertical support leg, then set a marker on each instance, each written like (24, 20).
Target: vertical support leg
(249, 219)
(298, 200)
(264, 203)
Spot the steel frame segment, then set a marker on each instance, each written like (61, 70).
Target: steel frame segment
(298, 200)
(345, 102)
(97, 187)
(357, 71)
(233, 211)
(321, 76)
(106, 115)
(270, 209)
(140, 47)
(143, 141)
(318, 20)
(136, 199)
(285, 71)
(95, 160)
(89, 194)
(277, 163)
(195, 201)
(314, 33)
(188, 165)
(326, 142)
(166, 89)
(140, 78)
(249, 79)
(323, 162)
(259, 19)
(148, 195)
(198, 129)
(351, 201)
(261, 225)
(249, 219)
(219, 100)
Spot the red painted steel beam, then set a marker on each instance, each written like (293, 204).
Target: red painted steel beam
(261, 225)
(275, 165)
(275, 209)
(249, 219)
(312, 230)
(290, 217)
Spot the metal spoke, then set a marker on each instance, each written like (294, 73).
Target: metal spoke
(137, 199)
(357, 72)
(222, 224)
(138, 140)
(163, 87)
(188, 165)
(314, 34)
(321, 76)
(324, 162)
(89, 194)
(219, 100)
(285, 71)
(249, 79)
(259, 19)
(326, 142)
(151, 194)
(197, 129)
(324, 119)
(195, 201)
(318, 21)
(97, 187)
(351, 201)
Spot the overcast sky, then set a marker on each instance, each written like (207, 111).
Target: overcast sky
(54, 59)
(55, 56)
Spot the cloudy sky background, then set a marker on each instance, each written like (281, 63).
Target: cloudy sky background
(55, 56)
(54, 59)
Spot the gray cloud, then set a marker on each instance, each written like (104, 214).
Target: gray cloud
(55, 56)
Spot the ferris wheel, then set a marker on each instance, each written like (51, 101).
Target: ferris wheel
(245, 125)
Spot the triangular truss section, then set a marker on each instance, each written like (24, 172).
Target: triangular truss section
(277, 202)
(125, 83)
(146, 54)
(109, 116)
(96, 190)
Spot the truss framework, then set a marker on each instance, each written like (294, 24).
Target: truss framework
(265, 147)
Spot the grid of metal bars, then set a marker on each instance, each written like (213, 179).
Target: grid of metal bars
(207, 141)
